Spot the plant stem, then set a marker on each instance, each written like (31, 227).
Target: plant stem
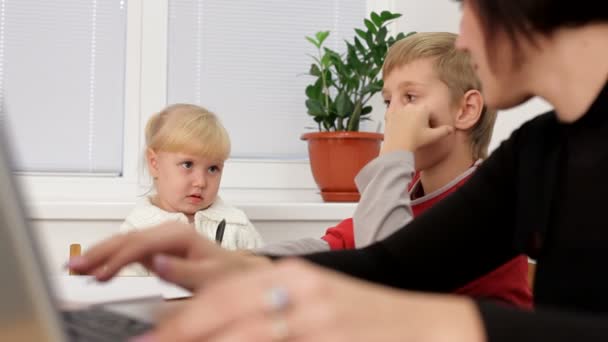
(325, 89)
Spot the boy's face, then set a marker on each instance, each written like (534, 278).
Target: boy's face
(184, 183)
(418, 83)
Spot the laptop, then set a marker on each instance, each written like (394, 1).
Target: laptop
(28, 311)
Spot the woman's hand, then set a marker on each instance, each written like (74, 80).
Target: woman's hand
(294, 301)
(174, 251)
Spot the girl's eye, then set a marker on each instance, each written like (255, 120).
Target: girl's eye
(187, 164)
(410, 97)
(387, 103)
(214, 169)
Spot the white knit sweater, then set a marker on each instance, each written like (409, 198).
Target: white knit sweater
(238, 233)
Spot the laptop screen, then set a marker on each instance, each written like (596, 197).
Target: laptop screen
(26, 308)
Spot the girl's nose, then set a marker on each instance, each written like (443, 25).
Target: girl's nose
(200, 180)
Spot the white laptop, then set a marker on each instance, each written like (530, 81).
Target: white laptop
(28, 311)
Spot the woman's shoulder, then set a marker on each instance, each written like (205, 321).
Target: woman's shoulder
(532, 137)
(542, 123)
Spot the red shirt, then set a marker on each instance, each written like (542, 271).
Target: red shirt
(507, 283)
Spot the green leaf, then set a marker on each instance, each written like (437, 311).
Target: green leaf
(361, 34)
(369, 41)
(366, 110)
(321, 36)
(372, 88)
(314, 91)
(330, 51)
(360, 46)
(386, 16)
(315, 108)
(326, 60)
(370, 26)
(313, 42)
(353, 121)
(344, 105)
(377, 19)
(372, 73)
(381, 36)
(353, 60)
(378, 56)
(328, 77)
(314, 70)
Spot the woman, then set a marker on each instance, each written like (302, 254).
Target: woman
(540, 193)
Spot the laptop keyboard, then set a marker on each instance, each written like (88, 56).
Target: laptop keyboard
(101, 325)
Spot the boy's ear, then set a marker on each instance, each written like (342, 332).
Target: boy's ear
(152, 160)
(470, 110)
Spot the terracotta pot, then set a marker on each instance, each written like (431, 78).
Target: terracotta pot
(337, 157)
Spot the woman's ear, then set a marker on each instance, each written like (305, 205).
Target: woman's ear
(470, 110)
(152, 161)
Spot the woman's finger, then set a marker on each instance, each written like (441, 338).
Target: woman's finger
(105, 259)
(189, 274)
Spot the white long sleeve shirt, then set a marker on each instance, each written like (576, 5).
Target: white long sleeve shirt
(239, 232)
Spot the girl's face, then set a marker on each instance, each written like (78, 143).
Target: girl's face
(505, 83)
(184, 183)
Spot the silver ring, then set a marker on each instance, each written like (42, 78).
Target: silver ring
(277, 299)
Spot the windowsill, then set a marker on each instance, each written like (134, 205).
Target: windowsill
(277, 207)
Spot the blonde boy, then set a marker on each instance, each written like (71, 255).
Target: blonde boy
(427, 82)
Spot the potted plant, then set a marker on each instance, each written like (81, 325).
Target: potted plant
(337, 100)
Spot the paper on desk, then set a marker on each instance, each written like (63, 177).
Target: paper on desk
(85, 290)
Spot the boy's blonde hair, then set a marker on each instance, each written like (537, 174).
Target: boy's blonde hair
(453, 68)
(190, 129)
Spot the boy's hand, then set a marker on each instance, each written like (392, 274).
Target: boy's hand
(409, 129)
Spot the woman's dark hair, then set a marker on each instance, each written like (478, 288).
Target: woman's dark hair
(542, 16)
(527, 17)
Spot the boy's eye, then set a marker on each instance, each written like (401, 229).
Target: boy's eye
(387, 102)
(410, 97)
(187, 164)
(214, 169)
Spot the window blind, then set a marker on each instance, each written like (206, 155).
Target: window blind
(247, 62)
(62, 70)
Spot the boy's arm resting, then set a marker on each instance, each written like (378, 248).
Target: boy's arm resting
(463, 237)
(384, 206)
(249, 237)
(382, 181)
(505, 324)
(338, 237)
(294, 247)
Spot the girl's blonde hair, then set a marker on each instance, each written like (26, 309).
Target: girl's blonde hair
(190, 129)
(453, 67)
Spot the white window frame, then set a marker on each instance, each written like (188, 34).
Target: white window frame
(244, 180)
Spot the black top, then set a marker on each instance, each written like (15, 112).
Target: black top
(540, 193)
